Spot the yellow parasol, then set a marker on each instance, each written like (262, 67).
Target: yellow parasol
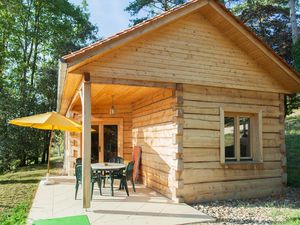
(48, 121)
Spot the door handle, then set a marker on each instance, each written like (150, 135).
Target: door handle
(99, 148)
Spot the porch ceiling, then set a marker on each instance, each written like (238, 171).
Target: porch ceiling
(101, 94)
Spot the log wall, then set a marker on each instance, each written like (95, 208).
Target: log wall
(153, 129)
(204, 177)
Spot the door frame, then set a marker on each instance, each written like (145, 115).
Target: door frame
(109, 121)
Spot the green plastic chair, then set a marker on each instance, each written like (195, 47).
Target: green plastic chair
(126, 176)
(95, 178)
(116, 159)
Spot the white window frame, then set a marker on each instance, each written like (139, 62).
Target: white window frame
(255, 116)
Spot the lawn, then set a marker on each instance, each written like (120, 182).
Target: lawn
(17, 190)
(293, 150)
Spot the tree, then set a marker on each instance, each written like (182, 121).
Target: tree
(149, 8)
(293, 19)
(33, 35)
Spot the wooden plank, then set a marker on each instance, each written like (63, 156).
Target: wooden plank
(193, 106)
(231, 190)
(201, 138)
(231, 96)
(201, 154)
(271, 154)
(191, 176)
(233, 166)
(101, 80)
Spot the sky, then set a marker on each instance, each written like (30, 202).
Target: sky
(108, 15)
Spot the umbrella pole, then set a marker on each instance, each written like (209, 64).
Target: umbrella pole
(48, 167)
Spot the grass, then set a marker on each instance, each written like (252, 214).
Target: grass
(293, 166)
(17, 190)
(293, 150)
(291, 215)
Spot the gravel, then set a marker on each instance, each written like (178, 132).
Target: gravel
(267, 210)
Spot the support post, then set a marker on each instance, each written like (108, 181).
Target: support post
(86, 141)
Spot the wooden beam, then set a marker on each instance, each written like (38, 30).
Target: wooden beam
(86, 141)
(102, 80)
(75, 97)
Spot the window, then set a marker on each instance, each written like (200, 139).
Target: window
(241, 136)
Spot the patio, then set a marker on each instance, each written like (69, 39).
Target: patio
(143, 207)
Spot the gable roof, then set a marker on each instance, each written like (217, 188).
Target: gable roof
(216, 13)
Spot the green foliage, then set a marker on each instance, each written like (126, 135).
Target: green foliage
(150, 8)
(17, 190)
(292, 219)
(17, 215)
(296, 55)
(33, 35)
(293, 150)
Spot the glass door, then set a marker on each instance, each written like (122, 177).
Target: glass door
(110, 141)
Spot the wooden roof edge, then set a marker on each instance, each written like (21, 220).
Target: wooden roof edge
(295, 75)
(130, 33)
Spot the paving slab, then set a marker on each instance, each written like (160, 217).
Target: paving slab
(143, 207)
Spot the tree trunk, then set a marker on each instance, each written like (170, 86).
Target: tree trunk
(293, 19)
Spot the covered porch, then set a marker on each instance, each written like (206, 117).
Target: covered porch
(124, 114)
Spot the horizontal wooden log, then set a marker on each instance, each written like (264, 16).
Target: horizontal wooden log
(201, 154)
(191, 176)
(231, 190)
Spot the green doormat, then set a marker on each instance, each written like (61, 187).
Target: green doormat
(70, 220)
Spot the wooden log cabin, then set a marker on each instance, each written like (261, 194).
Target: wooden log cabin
(197, 90)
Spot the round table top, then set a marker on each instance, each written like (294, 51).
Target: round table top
(108, 166)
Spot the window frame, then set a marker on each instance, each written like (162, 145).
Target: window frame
(237, 143)
(256, 149)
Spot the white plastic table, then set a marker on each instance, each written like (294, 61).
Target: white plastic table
(110, 168)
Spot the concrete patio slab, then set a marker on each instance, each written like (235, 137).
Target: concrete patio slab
(143, 207)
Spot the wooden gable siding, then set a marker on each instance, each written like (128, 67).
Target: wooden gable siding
(190, 50)
(204, 177)
(153, 129)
